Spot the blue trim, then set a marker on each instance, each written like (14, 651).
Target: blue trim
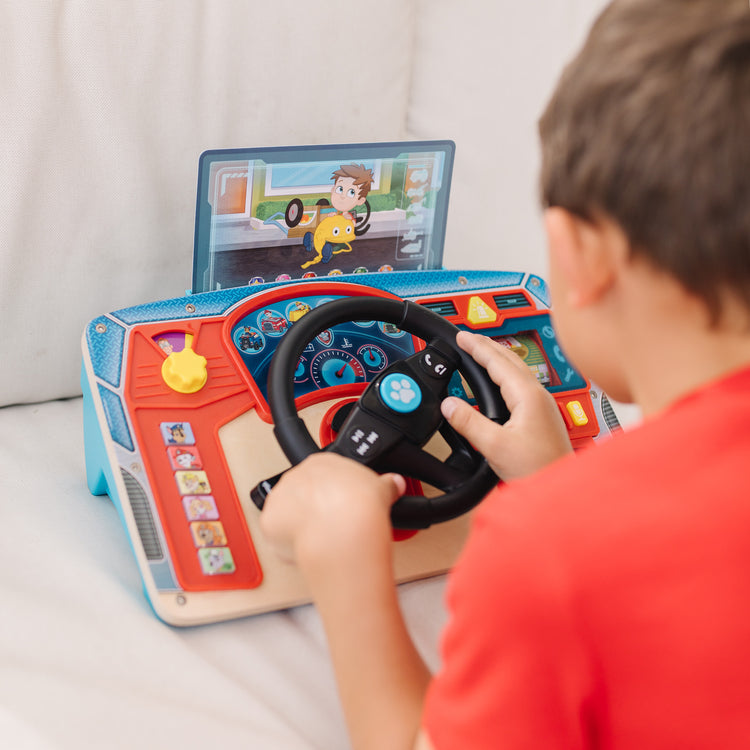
(400, 283)
(106, 347)
(116, 420)
(98, 470)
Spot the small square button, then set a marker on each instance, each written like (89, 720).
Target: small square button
(216, 561)
(186, 457)
(208, 534)
(177, 433)
(200, 508)
(192, 482)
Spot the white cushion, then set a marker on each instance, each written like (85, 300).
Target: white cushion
(105, 109)
(482, 77)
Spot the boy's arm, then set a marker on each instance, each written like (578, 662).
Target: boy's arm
(331, 516)
(534, 436)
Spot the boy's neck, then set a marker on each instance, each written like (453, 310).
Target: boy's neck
(671, 346)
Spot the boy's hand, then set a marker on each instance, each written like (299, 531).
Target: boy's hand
(330, 509)
(331, 516)
(535, 434)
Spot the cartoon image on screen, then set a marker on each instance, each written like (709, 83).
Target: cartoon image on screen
(292, 213)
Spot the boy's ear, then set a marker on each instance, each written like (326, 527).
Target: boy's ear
(581, 253)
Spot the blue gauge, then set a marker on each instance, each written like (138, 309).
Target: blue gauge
(372, 357)
(300, 374)
(336, 367)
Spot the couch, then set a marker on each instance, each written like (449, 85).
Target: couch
(105, 109)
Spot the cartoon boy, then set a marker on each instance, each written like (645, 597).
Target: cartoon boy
(352, 183)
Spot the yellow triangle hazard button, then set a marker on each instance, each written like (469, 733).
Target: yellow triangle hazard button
(480, 312)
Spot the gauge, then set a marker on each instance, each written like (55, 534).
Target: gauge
(300, 374)
(373, 357)
(336, 367)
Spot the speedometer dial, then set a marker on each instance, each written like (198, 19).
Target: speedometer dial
(373, 357)
(335, 367)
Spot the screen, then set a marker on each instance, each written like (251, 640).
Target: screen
(303, 212)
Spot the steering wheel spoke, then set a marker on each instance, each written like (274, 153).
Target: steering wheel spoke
(415, 462)
(463, 457)
(365, 437)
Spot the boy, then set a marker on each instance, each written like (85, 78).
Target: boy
(602, 600)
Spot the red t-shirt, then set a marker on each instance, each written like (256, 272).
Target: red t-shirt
(605, 602)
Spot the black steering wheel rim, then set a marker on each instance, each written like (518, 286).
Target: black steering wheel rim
(295, 439)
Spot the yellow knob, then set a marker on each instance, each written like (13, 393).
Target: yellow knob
(185, 371)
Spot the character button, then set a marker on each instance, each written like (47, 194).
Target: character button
(192, 482)
(177, 433)
(184, 457)
(216, 561)
(400, 393)
(200, 508)
(208, 534)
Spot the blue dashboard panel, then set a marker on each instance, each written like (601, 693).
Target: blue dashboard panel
(348, 353)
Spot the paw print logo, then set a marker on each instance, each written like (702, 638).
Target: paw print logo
(400, 393)
(401, 390)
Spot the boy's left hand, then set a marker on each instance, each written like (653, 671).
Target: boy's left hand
(330, 509)
(534, 436)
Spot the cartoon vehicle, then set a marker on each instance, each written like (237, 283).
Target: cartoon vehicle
(250, 339)
(390, 329)
(270, 322)
(300, 308)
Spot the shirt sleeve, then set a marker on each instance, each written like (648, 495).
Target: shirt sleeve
(515, 673)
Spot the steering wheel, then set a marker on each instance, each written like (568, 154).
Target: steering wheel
(398, 412)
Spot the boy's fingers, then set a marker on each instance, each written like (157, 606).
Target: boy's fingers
(487, 353)
(482, 433)
(505, 368)
(396, 486)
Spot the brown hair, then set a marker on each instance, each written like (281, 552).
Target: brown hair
(650, 126)
(363, 177)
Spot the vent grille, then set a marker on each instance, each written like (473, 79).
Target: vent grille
(144, 521)
(507, 301)
(609, 415)
(446, 308)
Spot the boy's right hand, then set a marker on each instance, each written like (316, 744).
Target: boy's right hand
(534, 436)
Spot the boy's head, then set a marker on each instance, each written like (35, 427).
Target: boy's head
(351, 185)
(650, 127)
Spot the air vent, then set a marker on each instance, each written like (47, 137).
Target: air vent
(143, 518)
(444, 307)
(609, 415)
(507, 301)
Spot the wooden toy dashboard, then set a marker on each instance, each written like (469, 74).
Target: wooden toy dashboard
(178, 428)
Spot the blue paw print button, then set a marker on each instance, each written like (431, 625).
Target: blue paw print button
(400, 393)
